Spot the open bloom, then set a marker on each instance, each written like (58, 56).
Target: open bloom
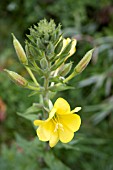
(60, 125)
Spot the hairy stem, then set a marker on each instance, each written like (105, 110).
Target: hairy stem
(46, 88)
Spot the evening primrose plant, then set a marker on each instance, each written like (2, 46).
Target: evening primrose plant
(46, 60)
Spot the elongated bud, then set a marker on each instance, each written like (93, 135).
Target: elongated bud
(80, 66)
(20, 51)
(65, 69)
(16, 78)
(84, 62)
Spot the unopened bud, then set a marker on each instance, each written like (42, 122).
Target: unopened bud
(67, 46)
(43, 63)
(84, 62)
(50, 49)
(63, 43)
(16, 78)
(20, 51)
(73, 48)
(80, 66)
(65, 69)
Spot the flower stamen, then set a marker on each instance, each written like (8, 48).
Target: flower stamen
(58, 126)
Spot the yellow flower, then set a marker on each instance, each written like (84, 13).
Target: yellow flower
(60, 125)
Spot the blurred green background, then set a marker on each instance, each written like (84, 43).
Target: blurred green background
(91, 22)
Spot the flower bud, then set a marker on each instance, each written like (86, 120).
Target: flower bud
(84, 62)
(43, 63)
(50, 49)
(62, 45)
(73, 48)
(80, 66)
(65, 44)
(20, 51)
(68, 43)
(65, 69)
(16, 78)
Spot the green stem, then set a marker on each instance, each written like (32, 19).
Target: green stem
(70, 77)
(33, 88)
(36, 67)
(45, 95)
(31, 75)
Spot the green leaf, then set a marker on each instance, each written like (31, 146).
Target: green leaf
(59, 46)
(99, 116)
(33, 93)
(56, 79)
(31, 117)
(29, 113)
(59, 57)
(57, 64)
(35, 108)
(60, 88)
(54, 163)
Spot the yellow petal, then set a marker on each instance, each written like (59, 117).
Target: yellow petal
(44, 131)
(76, 109)
(68, 40)
(52, 113)
(38, 122)
(62, 107)
(72, 121)
(53, 139)
(65, 135)
(65, 43)
(73, 49)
